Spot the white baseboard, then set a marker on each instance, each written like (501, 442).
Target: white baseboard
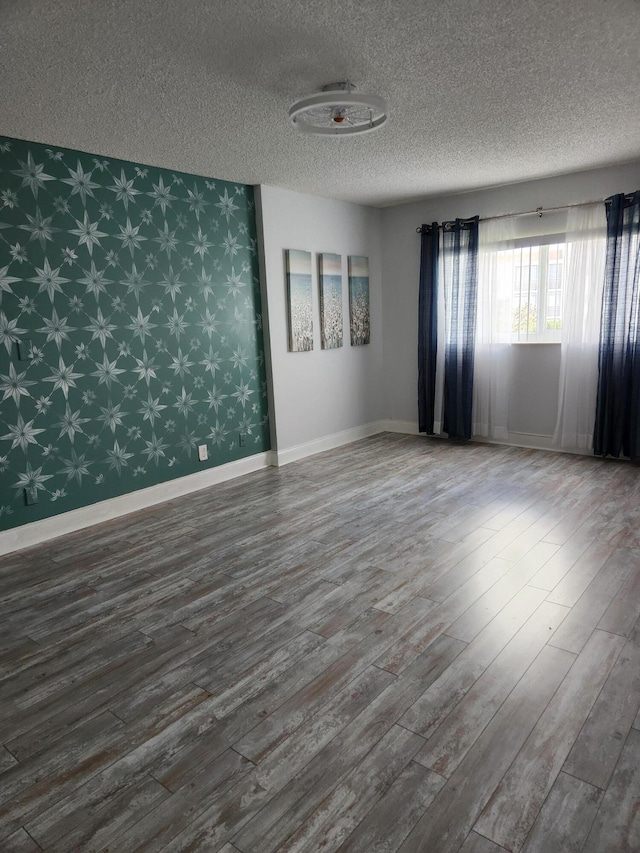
(533, 441)
(76, 519)
(406, 427)
(327, 442)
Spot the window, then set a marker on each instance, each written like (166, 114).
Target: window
(530, 286)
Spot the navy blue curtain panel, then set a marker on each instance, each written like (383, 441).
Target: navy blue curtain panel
(427, 326)
(617, 426)
(460, 266)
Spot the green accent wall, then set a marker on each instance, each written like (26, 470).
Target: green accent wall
(130, 328)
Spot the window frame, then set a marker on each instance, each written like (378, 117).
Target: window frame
(542, 242)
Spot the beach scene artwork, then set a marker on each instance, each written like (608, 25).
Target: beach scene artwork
(330, 286)
(359, 320)
(299, 300)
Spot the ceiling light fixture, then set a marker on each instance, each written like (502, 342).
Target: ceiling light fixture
(338, 111)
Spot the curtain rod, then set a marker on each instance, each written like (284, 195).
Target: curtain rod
(539, 210)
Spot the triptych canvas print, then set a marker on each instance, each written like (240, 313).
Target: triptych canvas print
(299, 278)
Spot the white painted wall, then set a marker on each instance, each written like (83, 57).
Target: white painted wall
(532, 403)
(533, 391)
(323, 397)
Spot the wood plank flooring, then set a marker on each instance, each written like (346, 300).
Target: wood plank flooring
(400, 645)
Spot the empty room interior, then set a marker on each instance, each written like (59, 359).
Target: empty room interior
(319, 494)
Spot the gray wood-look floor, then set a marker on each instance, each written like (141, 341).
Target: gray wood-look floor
(401, 645)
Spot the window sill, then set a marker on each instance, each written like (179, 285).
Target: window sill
(536, 343)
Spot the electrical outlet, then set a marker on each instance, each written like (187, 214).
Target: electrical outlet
(24, 350)
(242, 439)
(31, 496)
(203, 453)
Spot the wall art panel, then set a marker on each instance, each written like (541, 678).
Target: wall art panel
(299, 300)
(359, 311)
(330, 289)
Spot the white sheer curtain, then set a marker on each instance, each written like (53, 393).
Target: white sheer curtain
(582, 294)
(492, 365)
(442, 321)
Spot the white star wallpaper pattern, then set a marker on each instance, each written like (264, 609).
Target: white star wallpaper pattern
(130, 328)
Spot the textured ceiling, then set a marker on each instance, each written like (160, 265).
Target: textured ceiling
(480, 92)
